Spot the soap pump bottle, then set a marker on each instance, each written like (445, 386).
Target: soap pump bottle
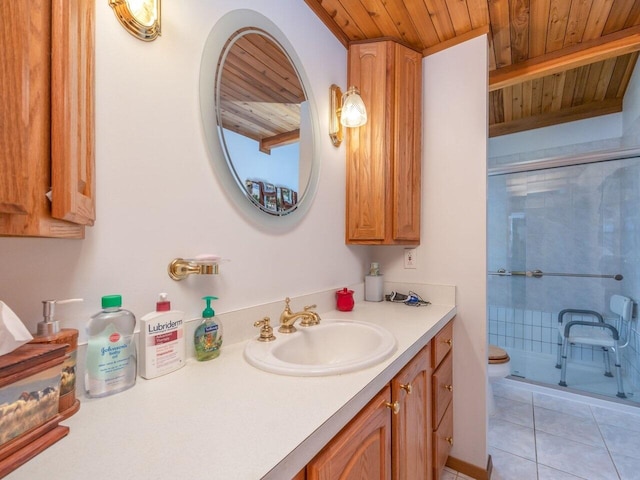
(208, 335)
(49, 331)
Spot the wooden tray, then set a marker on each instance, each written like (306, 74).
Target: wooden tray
(23, 448)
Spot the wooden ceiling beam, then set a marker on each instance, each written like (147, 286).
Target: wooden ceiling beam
(612, 45)
(580, 112)
(286, 138)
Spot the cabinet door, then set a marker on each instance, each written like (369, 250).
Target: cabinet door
(407, 137)
(72, 105)
(368, 157)
(411, 445)
(362, 449)
(14, 114)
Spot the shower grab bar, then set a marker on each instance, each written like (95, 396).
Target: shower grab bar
(539, 273)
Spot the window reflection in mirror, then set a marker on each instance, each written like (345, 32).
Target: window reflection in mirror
(263, 121)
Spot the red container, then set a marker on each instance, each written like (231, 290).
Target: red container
(344, 300)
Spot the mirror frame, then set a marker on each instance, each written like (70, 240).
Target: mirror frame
(218, 37)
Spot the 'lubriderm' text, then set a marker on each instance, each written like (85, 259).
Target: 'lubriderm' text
(163, 327)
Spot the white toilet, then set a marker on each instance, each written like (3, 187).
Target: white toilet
(499, 367)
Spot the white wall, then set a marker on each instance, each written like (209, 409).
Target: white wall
(631, 106)
(158, 196)
(453, 234)
(545, 138)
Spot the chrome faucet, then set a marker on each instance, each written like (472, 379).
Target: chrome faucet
(288, 318)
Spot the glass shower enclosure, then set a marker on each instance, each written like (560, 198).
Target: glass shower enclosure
(559, 238)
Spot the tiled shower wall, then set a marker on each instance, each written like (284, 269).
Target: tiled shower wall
(578, 219)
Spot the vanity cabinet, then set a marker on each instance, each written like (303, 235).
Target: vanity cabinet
(391, 437)
(46, 118)
(384, 155)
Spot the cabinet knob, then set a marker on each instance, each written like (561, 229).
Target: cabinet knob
(449, 342)
(407, 388)
(450, 440)
(449, 387)
(395, 407)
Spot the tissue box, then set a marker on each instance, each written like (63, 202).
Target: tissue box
(29, 393)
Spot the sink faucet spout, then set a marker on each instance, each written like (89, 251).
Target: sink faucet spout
(288, 318)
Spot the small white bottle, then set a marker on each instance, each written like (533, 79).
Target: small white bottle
(111, 349)
(374, 284)
(162, 345)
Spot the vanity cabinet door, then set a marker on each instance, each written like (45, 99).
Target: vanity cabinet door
(384, 155)
(46, 117)
(362, 449)
(411, 438)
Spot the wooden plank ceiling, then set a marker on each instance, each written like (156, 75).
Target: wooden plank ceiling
(260, 93)
(550, 61)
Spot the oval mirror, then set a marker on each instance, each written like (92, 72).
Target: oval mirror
(263, 121)
(255, 95)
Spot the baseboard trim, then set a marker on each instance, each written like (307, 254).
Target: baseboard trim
(471, 470)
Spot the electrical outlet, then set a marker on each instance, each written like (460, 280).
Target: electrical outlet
(410, 260)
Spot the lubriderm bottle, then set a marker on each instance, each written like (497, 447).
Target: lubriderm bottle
(111, 349)
(208, 335)
(162, 347)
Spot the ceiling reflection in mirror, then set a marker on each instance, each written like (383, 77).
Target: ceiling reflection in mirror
(264, 121)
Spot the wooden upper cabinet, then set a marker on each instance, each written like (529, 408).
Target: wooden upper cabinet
(383, 156)
(46, 118)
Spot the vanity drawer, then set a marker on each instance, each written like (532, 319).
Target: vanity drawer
(442, 389)
(442, 442)
(442, 344)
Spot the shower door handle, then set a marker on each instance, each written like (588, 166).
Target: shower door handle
(539, 274)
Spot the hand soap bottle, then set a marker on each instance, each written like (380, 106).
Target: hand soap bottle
(162, 346)
(208, 336)
(111, 349)
(49, 331)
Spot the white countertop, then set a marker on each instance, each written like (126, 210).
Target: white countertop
(224, 419)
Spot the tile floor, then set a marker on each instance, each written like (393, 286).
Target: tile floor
(543, 434)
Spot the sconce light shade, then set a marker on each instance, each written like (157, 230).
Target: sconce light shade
(354, 113)
(141, 18)
(348, 111)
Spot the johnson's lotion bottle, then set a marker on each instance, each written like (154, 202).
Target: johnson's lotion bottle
(111, 350)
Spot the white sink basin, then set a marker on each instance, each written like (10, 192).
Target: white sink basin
(330, 348)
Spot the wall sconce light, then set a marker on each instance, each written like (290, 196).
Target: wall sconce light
(347, 110)
(141, 18)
